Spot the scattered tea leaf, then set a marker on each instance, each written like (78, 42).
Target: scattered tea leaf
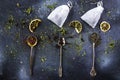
(109, 13)
(11, 19)
(63, 31)
(12, 52)
(112, 44)
(98, 60)
(110, 47)
(43, 59)
(84, 53)
(28, 10)
(78, 47)
(52, 6)
(9, 23)
(18, 4)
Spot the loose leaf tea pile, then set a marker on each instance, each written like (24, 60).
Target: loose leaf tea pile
(31, 41)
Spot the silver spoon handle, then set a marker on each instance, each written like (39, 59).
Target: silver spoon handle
(31, 61)
(93, 72)
(60, 65)
(93, 54)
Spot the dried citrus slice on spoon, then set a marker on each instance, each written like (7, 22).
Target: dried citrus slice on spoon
(104, 26)
(77, 25)
(34, 24)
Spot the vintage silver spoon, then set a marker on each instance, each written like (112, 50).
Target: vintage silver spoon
(94, 37)
(61, 43)
(31, 41)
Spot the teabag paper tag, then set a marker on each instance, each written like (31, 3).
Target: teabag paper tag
(92, 16)
(59, 15)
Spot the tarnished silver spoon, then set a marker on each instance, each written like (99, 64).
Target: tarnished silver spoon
(31, 41)
(94, 37)
(61, 43)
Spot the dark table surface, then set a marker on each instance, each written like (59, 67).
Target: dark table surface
(77, 53)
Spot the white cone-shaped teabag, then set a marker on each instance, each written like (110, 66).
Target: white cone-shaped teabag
(92, 16)
(59, 15)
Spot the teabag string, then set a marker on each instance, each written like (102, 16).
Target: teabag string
(92, 16)
(59, 15)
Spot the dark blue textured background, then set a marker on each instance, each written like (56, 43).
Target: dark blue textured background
(14, 53)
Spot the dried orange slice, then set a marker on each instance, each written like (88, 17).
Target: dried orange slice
(77, 25)
(104, 26)
(34, 24)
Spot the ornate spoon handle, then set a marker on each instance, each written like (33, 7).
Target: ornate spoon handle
(93, 72)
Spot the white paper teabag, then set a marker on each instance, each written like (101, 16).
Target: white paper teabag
(92, 16)
(59, 15)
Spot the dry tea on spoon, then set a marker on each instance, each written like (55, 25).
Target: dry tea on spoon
(94, 38)
(31, 41)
